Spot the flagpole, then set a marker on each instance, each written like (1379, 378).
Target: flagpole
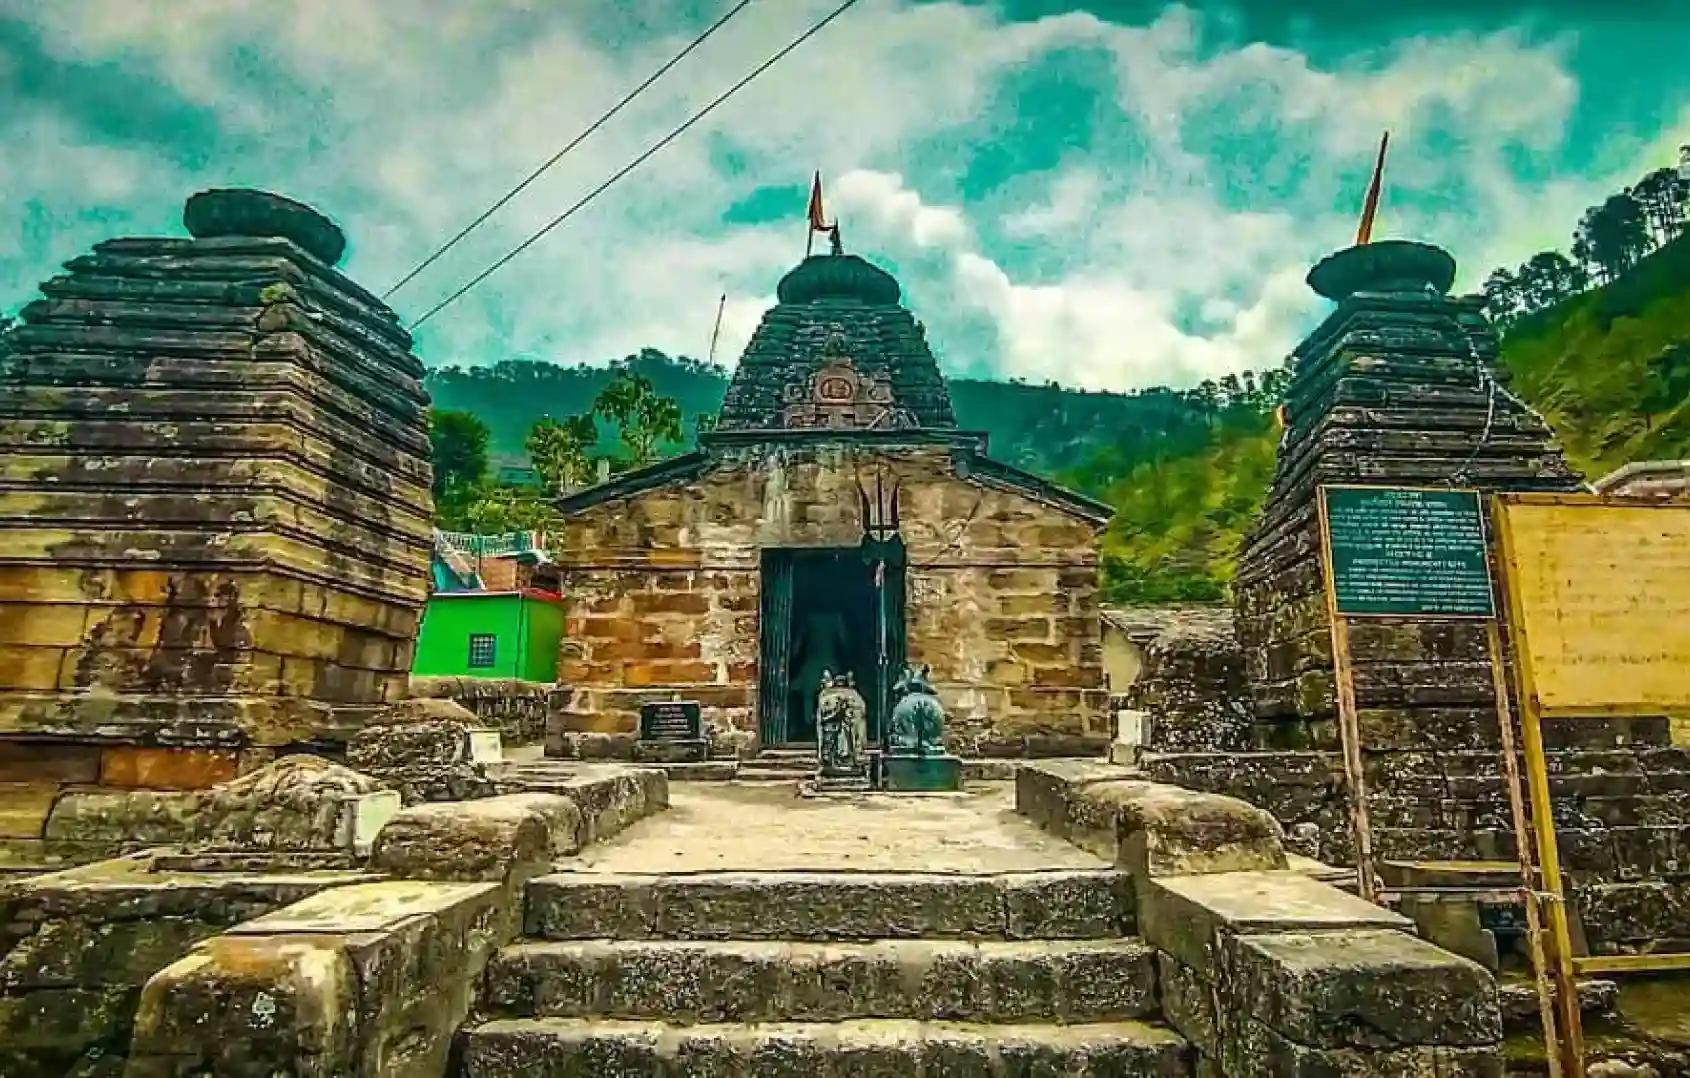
(717, 331)
(1370, 208)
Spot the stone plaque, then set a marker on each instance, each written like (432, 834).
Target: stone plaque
(1403, 552)
(671, 720)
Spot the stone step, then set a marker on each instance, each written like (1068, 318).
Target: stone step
(763, 981)
(1518, 1000)
(1063, 904)
(559, 1047)
(782, 757)
(770, 775)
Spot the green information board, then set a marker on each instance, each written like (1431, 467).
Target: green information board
(1403, 552)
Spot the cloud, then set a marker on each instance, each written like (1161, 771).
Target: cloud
(1184, 180)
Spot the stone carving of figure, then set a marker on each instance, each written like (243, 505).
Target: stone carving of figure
(918, 718)
(841, 727)
(820, 647)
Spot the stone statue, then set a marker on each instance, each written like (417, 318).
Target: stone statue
(821, 644)
(841, 727)
(918, 718)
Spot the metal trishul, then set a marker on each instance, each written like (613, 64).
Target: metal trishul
(880, 511)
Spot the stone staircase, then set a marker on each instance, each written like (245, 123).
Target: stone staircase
(825, 973)
(778, 765)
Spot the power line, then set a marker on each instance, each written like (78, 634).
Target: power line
(576, 141)
(636, 162)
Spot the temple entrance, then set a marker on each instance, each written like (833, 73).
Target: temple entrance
(838, 609)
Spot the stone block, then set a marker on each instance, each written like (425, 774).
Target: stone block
(1255, 1050)
(49, 1031)
(671, 752)
(249, 1007)
(506, 838)
(869, 1048)
(137, 767)
(1042, 789)
(24, 808)
(60, 763)
(1190, 916)
(921, 774)
(1365, 988)
(1068, 905)
(371, 979)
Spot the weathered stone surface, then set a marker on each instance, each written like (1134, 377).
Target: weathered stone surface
(217, 490)
(820, 905)
(1148, 828)
(370, 980)
(422, 748)
(237, 212)
(249, 1008)
(1192, 689)
(52, 1031)
(752, 981)
(149, 768)
(1221, 1013)
(880, 1048)
(1366, 989)
(519, 710)
(506, 838)
(609, 796)
(76, 947)
(296, 803)
(1187, 916)
(1042, 790)
(1068, 905)
(1258, 1050)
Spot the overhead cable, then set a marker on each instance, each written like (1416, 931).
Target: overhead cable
(636, 162)
(576, 141)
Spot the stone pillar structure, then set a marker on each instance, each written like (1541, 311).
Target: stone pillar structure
(1399, 386)
(214, 507)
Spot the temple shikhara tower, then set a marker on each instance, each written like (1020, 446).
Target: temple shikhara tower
(214, 510)
(836, 519)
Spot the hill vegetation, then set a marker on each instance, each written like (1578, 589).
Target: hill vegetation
(1599, 341)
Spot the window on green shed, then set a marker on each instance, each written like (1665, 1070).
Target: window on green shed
(483, 648)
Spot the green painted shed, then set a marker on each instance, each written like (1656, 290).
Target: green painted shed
(495, 634)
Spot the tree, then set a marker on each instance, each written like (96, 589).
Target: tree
(459, 444)
(1502, 297)
(1615, 234)
(561, 451)
(496, 509)
(1663, 195)
(644, 418)
(1547, 278)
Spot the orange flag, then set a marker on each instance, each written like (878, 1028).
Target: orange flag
(818, 219)
(1370, 209)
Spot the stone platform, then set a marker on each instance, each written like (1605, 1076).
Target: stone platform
(752, 828)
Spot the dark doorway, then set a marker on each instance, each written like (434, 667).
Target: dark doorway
(839, 609)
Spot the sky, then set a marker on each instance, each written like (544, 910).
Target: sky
(1109, 194)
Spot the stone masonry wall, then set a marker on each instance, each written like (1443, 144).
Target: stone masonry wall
(663, 589)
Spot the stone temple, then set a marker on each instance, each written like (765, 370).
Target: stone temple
(290, 859)
(835, 517)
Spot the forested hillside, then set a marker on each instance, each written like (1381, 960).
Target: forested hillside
(1610, 369)
(1602, 349)
(1046, 428)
